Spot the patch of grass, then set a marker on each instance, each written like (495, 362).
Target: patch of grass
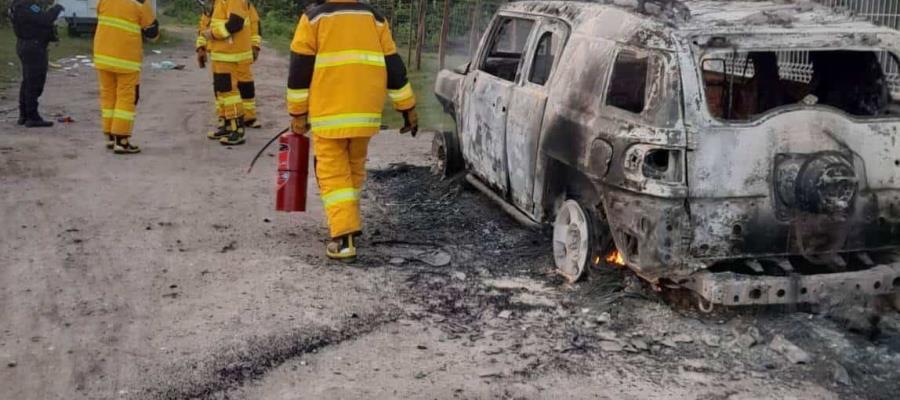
(9, 62)
(431, 113)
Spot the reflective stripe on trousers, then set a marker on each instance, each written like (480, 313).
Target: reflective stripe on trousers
(341, 173)
(118, 94)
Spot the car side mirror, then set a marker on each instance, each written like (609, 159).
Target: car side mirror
(463, 69)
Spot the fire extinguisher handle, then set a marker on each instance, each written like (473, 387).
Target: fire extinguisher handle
(274, 138)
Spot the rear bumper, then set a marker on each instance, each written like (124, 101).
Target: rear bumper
(732, 289)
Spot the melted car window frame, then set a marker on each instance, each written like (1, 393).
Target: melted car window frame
(891, 109)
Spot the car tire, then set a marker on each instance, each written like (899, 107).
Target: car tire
(447, 156)
(574, 239)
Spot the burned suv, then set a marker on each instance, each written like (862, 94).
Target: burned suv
(747, 151)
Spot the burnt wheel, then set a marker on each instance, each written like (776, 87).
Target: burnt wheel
(573, 240)
(447, 156)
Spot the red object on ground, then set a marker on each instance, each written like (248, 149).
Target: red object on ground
(293, 167)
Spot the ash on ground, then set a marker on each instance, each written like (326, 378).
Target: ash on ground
(485, 280)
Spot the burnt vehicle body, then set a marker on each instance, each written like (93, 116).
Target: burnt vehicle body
(748, 151)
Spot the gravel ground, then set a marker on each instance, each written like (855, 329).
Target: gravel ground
(169, 276)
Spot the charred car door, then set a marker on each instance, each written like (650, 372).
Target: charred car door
(527, 108)
(490, 87)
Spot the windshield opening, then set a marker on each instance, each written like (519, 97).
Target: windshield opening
(743, 85)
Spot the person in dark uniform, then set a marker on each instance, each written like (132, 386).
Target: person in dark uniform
(33, 24)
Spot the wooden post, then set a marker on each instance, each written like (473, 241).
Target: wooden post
(473, 28)
(420, 42)
(445, 30)
(392, 17)
(409, 42)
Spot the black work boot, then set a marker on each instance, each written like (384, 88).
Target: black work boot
(110, 141)
(253, 123)
(123, 146)
(220, 131)
(235, 129)
(35, 121)
(22, 118)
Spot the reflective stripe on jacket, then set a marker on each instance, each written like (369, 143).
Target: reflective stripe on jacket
(343, 64)
(255, 28)
(202, 26)
(230, 27)
(118, 42)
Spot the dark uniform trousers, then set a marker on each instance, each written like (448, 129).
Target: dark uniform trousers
(34, 28)
(33, 54)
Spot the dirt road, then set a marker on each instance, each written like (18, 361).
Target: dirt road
(168, 276)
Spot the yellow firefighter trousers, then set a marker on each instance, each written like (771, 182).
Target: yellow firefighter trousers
(226, 85)
(118, 98)
(248, 91)
(341, 173)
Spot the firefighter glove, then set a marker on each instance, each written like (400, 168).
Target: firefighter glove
(201, 57)
(299, 125)
(207, 34)
(255, 53)
(411, 122)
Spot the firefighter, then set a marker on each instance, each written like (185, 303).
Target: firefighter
(118, 51)
(246, 86)
(343, 64)
(34, 28)
(230, 44)
(202, 50)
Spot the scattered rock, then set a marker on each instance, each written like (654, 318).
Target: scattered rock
(710, 339)
(668, 343)
(640, 344)
(397, 261)
(11, 364)
(421, 375)
(607, 335)
(435, 258)
(422, 347)
(841, 375)
(603, 318)
(610, 346)
(505, 314)
(493, 352)
(460, 276)
(682, 338)
(749, 338)
(792, 352)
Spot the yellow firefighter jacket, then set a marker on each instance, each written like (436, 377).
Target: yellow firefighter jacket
(255, 29)
(343, 63)
(118, 43)
(255, 34)
(231, 32)
(202, 26)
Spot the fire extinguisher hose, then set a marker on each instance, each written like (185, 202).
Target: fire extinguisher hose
(274, 138)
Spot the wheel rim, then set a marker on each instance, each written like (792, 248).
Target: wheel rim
(571, 240)
(439, 151)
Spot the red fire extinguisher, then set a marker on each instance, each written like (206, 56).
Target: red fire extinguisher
(293, 167)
